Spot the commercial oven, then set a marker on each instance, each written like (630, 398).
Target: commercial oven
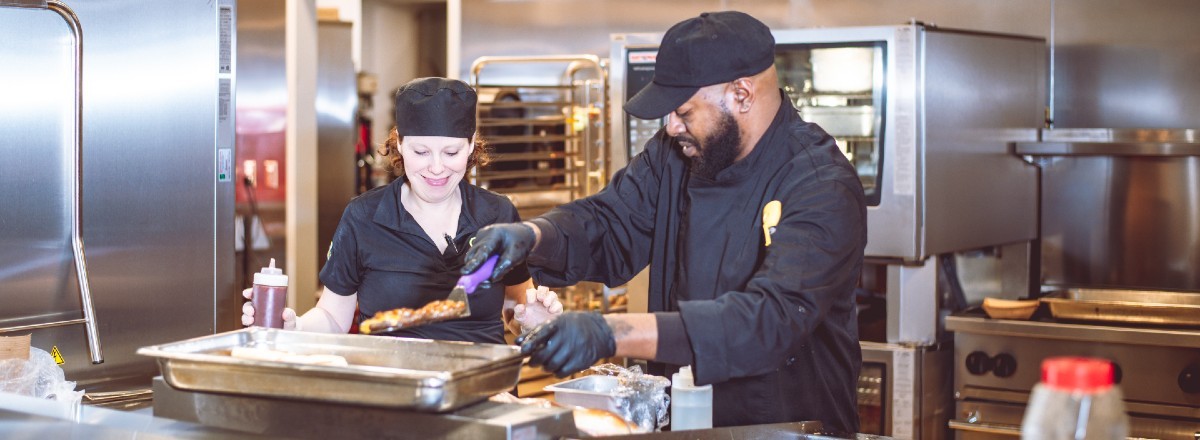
(926, 116)
(1119, 229)
(116, 127)
(997, 363)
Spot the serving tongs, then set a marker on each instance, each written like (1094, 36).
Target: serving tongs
(465, 286)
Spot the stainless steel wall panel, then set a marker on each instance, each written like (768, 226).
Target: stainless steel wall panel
(1117, 63)
(262, 100)
(337, 106)
(262, 72)
(1128, 222)
(1123, 64)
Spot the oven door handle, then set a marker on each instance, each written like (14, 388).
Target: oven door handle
(987, 428)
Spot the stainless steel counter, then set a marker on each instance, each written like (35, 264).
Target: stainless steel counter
(218, 416)
(308, 419)
(485, 420)
(24, 417)
(773, 431)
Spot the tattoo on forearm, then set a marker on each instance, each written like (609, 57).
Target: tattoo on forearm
(620, 328)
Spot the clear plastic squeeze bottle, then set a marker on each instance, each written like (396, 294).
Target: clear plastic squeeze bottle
(269, 296)
(691, 406)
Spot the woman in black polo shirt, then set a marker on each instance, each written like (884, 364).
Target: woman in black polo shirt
(401, 245)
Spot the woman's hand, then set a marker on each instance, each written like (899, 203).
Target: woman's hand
(289, 315)
(541, 305)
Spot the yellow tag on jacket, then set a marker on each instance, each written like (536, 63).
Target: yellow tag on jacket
(770, 214)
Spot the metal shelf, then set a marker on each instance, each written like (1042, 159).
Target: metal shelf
(522, 129)
(847, 95)
(870, 139)
(523, 104)
(522, 174)
(522, 122)
(526, 139)
(526, 86)
(539, 155)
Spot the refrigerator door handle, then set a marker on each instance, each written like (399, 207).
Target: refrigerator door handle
(85, 291)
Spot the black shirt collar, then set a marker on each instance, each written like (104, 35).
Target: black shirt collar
(475, 211)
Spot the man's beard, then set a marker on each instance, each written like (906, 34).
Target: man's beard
(719, 149)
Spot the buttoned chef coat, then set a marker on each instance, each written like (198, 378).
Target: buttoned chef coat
(380, 251)
(773, 328)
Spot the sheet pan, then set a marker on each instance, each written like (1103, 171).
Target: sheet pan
(1126, 306)
(414, 374)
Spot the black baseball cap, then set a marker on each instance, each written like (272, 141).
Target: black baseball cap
(435, 107)
(714, 48)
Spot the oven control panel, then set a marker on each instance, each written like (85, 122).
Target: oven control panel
(1189, 379)
(1157, 374)
(1001, 365)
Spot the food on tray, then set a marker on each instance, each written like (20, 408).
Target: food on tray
(403, 318)
(618, 300)
(997, 308)
(264, 354)
(597, 423)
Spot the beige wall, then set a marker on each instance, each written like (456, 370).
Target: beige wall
(401, 41)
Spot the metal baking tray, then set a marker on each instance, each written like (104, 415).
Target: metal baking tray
(1127, 306)
(841, 121)
(413, 374)
(595, 391)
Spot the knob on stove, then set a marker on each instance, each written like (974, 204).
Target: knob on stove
(1005, 365)
(979, 363)
(1189, 379)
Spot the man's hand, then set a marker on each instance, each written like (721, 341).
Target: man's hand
(512, 241)
(572, 342)
(541, 305)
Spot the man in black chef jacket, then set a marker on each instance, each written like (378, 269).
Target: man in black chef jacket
(753, 224)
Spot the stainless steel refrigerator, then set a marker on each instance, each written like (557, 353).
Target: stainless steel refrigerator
(116, 179)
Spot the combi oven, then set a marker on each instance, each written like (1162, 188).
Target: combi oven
(925, 115)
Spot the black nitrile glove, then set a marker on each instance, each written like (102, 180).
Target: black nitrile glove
(512, 241)
(570, 343)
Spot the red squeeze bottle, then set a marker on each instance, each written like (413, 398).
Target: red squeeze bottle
(269, 296)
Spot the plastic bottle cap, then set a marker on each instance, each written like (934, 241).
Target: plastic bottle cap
(684, 380)
(1077, 374)
(685, 376)
(271, 276)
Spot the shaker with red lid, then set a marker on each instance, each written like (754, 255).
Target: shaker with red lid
(1076, 400)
